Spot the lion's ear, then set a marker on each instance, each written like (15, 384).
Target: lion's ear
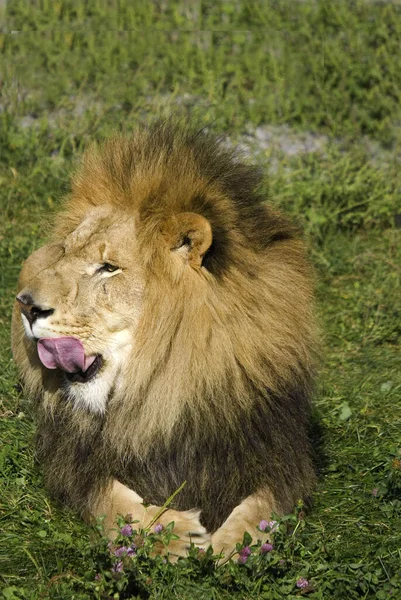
(190, 235)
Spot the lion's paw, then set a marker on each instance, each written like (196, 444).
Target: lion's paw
(224, 542)
(188, 528)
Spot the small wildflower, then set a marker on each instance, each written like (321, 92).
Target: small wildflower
(126, 530)
(273, 526)
(396, 464)
(118, 567)
(158, 528)
(131, 551)
(243, 555)
(263, 525)
(98, 577)
(266, 548)
(120, 551)
(138, 541)
(302, 583)
(375, 491)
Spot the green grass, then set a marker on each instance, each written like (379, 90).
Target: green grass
(328, 70)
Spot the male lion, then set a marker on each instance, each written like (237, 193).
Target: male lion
(167, 334)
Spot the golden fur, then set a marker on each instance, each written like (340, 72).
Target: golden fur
(212, 329)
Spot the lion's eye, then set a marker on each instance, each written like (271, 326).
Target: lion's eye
(107, 268)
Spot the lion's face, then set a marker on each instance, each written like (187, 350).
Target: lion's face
(80, 303)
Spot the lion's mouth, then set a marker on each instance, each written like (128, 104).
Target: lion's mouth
(90, 373)
(68, 355)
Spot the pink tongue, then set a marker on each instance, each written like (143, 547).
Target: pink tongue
(65, 353)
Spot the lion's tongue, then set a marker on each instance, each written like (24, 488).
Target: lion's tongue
(65, 353)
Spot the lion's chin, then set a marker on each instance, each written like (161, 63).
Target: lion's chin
(89, 374)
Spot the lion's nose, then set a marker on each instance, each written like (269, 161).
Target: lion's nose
(31, 310)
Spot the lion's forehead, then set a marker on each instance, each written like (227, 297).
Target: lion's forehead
(99, 234)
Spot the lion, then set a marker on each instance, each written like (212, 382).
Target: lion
(167, 335)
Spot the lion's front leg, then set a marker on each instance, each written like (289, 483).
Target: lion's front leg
(245, 517)
(120, 500)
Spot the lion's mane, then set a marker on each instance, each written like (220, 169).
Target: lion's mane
(223, 365)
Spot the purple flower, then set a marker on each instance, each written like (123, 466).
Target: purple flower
(263, 525)
(375, 491)
(302, 583)
(120, 551)
(131, 551)
(158, 528)
(126, 530)
(118, 567)
(243, 555)
(98, 577)
(266, 548)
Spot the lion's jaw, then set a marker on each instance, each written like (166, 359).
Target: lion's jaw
(75, 297)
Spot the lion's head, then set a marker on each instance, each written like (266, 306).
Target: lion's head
(80, 303)
(169, 302)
